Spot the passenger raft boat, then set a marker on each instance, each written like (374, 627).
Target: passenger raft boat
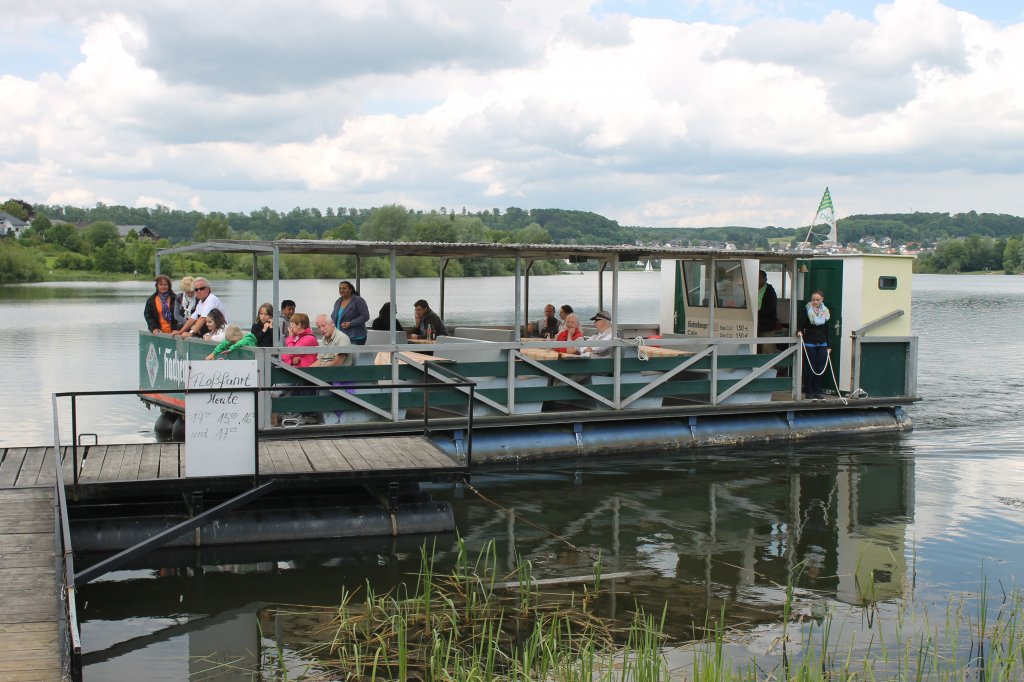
(698, 375)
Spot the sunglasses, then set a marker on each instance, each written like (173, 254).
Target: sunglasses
(201, 288)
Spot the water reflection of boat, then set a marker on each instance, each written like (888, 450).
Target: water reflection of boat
(698, 535)
(700, 374)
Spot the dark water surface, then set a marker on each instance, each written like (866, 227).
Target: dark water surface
(852, 520)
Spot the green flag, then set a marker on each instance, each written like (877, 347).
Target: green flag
(826, 201)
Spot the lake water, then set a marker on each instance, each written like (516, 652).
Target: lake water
(927, 513)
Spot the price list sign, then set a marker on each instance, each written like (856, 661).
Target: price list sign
(219, 430)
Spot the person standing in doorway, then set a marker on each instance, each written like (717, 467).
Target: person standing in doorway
(813, 332)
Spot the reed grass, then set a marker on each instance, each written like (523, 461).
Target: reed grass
(478, 624)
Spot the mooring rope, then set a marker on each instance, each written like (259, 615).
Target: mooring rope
(829, 366)
(529, 522)
(641, 348)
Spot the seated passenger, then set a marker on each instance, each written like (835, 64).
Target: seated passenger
(603, 323)
(263, 327)
(428, 324)
(299, 335)
(547, 326)
(564, 312)
(234, 339)
(216, 326)
(570, 333)
(159, 310)
(331, 336)
(284, 318)
(382, 322)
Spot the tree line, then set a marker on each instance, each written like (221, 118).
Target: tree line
(55, 248)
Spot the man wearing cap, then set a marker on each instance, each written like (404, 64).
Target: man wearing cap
(603, 323)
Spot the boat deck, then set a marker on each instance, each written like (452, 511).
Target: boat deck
(29, 614)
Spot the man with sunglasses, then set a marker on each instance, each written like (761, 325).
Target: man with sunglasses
(207, 302)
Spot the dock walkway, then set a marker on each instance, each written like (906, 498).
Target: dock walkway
(29, 597)
(142, 466)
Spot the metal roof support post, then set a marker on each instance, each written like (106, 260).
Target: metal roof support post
(157, 264)
(276, 294)
(518, 302)
(600, 285)
(359, 273)
(517, 337)
(394, 355)
(444, 266)
(794, 325)
(526, 293)
(617, 352)
(255, 280)
(712, 298)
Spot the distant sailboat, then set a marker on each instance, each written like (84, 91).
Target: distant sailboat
(648, 267)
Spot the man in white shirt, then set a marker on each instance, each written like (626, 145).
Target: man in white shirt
(196, 325)
(331, 338)
(603, 323)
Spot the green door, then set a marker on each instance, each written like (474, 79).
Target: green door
(826, 276)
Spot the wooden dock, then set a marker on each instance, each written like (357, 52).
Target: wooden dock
(107, 469)
(29, 596)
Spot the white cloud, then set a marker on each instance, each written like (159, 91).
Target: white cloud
(648, 121)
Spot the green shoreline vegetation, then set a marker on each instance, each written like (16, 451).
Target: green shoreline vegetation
(477, 623)
(87, 243)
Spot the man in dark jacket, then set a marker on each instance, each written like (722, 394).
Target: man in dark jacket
(428, 323)
(767, 305)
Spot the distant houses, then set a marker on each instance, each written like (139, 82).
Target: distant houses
(11, 226)
(122, 230)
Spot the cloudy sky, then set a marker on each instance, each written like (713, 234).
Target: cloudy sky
(651, 112)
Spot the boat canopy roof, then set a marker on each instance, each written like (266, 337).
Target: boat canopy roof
(621, 253)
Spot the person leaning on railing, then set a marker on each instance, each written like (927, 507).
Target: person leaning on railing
(234, 338)
(196, 324)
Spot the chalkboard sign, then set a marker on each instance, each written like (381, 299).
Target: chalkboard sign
(220, 434)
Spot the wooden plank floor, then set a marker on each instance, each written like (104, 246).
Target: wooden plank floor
(29, 599)
(26, 467)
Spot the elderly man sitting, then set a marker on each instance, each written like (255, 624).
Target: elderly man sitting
(603, 323)
(332, 337)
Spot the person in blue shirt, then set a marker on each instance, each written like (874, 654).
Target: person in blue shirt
(351, 314)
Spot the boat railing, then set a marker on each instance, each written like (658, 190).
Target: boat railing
(529, 376)
(714, 371)
(70, 634)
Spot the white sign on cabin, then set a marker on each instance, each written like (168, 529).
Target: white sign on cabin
(220, 437)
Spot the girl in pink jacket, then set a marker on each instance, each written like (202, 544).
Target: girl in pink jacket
(300, 335)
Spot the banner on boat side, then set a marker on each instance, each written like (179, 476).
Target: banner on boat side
(220, 438)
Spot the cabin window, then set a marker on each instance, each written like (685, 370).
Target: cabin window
(695, 278)
(887, 282)
(729, 284)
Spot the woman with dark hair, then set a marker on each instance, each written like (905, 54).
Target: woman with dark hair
(564, 312)
(263, 327)
(159, 310)
(383, 320)
(351, 314)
